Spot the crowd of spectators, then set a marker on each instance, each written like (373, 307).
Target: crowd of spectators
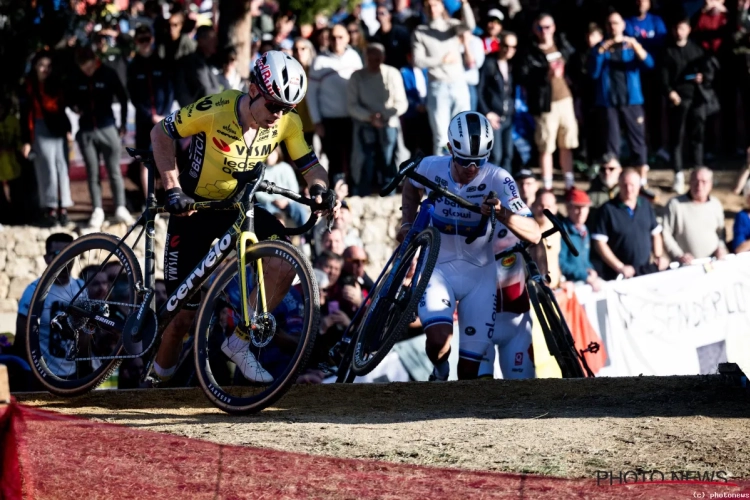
(588, 86)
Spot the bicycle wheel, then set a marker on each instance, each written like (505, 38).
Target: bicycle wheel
(77, 312)
(393, 302)
(556, 334)
(282, 344)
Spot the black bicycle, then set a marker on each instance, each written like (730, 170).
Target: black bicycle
(391, 306)
(557, 336)
(82, 326)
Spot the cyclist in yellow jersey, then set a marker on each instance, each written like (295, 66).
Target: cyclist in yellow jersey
(230, 132)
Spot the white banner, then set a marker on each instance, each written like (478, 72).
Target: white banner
(681, 322)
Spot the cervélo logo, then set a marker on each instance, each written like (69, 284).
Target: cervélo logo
(200, 271)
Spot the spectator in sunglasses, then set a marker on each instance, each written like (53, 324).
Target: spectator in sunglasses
(355, 260)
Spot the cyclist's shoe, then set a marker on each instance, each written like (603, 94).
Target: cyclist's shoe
(247, 363)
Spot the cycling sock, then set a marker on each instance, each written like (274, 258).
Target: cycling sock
(547, 182)
(569, 180)
(236, 344)
(164, 373)
(442, 370)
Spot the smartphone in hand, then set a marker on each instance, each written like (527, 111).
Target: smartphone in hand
(333, 307)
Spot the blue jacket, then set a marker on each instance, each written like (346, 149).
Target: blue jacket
(599, 68)
(575, 268)
(412, 94)
(649, 31)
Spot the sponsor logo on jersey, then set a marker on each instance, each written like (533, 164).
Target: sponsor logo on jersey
(519, 359)
(446, 302)
(471, 189)
(502, 234)
(482, 187)
(470, 330)
(190, 109)
(222, 102)
(170, 126)
(263, 134)
(200, 271)
(197, 149)
(228, 135)
(265, 150)
(508, 261)
(223, 146)
(491, 326)
(440, 181)
(510, 188)
(204, 105)
(179, 116)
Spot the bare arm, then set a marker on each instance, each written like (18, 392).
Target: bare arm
(165, 157)
(657, 242)
(410, 198)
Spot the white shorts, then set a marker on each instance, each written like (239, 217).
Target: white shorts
(475, 290)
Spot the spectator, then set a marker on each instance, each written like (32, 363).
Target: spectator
(284, 25)
(650, 31)
(329, 79)
(493, 29)
(742, 63)
(545, 200)
(355, 260)
(376, 98)
(405, 16)
(527, 186)
(615, 67)
(589, 129)
(395, 38)
(174, 45)
(415, 122)
(496, 98)
(712, 31)
(91, 91)
(330, 263)
(550, 101)
(741, 241)
(604, 187)
(283, 175)
(322, 40)
(151, 92)
(196, 77)
(683, 74)
(437, 47)
(304, 52)
(627, 235)
(10, 167)
(53, 345)
(473, 60)
(578, 269)
(694, 222)
(357, 40)
(109, 55)
(44, 130)
(230, 77)
(333, 241)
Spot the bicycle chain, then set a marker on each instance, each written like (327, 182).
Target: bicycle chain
(126, 356)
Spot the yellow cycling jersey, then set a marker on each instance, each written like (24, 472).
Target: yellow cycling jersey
(217, 147)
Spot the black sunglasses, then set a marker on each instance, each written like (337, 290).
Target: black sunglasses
(275, 107)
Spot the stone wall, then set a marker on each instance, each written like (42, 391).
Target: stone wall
(22, 248)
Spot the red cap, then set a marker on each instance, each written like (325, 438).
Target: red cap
(579, 198)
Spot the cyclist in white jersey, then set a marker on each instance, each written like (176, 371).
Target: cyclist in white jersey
(466, 273)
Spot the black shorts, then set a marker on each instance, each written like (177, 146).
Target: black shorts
(189, 240)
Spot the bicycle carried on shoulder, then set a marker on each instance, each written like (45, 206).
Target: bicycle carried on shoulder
(81, 327)
(392, 303)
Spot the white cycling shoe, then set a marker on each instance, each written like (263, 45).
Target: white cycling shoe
(247, 363)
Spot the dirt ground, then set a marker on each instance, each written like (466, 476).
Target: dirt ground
(564, 428)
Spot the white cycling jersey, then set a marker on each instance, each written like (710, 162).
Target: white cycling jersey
(468, 274)
(456, 223)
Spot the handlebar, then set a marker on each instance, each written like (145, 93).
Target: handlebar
(252, 178)
(556, 227)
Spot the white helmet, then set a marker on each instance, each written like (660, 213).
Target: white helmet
(280, 77)
(470, 136)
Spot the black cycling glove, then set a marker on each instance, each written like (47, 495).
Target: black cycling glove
(328, 195)
(177, 201)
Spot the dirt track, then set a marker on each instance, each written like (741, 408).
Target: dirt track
(556, 427)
